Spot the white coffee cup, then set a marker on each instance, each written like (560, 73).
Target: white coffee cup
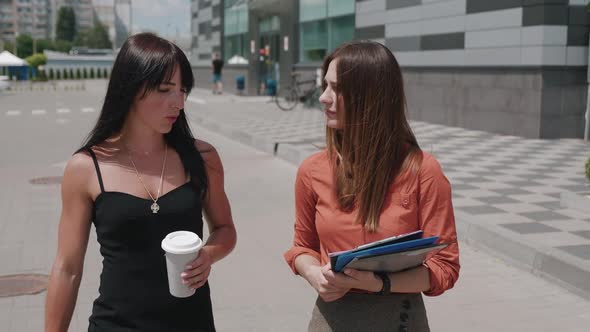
(181, 247)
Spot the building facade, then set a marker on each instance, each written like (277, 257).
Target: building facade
(123, 21)
(516, 67)
(20, 17)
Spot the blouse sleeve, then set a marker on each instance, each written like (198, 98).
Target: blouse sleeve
(437, 218)
(306, 239)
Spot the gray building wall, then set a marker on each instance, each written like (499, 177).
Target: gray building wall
(513, 66)
(206, 30)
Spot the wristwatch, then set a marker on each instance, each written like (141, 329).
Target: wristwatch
(386, 289)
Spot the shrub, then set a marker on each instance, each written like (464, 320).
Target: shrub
(84, 73)
(65, 74)
(58, 74)
(78, 74)
(91, 72)
(51, 74)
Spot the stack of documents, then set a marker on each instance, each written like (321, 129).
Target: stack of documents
(388, 255)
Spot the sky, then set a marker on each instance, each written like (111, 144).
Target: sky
(164, 17)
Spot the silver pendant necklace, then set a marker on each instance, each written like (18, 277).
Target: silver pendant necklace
(155, 207)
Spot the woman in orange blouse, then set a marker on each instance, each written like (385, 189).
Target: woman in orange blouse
(372, 182)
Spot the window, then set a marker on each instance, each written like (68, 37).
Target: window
(235, 32)
(324, 25)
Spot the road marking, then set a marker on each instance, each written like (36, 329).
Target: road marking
(87, 110)
(197, 100)
(61, 165)
(63, 110)
(12, 113)
(38, 112)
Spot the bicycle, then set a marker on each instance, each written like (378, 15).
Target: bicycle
(286, 99)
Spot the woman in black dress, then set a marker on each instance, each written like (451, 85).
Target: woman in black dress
(139, 176)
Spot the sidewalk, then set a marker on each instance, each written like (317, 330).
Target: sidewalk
(506, 189)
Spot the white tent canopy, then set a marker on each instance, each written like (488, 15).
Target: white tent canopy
(7, 59)
(236, 59)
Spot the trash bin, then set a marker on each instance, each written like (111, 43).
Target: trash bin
(271, 87)
(240, 83)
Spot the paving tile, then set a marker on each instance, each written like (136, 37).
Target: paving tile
(584, 234)
(552, 205)
(533, 198)
(530, 227)
(544, 216)
(519, 207)
(462, 186)
(497, 200)
(511, 191)
(480, 209)
(582, 251)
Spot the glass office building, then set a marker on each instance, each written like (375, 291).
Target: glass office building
(323, 25)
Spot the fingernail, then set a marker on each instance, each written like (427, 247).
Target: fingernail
(189, 266)
(183, 274)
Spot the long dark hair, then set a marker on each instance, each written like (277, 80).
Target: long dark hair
(376, 143)
(143, 63)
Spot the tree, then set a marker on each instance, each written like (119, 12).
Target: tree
(51, 74)
(105, 73)
(85, 73)
(97, 37)
(78, 74)
(45, 44)
(71, 74)
(9, 46)
(58, 74)
(98, 73)
(37, 60)
(66, 24)
(63, 46)
(91, 72)
(24, 46)
(65, 74)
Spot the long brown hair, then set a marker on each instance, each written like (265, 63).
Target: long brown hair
(375, 143)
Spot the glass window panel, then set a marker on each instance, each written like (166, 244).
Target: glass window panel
(341, 30)
(236, 20)
(314, 41)
(310, 10)
(340, 7)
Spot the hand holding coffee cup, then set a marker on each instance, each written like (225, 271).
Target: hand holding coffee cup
(182, 249)
(197, 271)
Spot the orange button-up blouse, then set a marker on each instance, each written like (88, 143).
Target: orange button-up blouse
(420, 202)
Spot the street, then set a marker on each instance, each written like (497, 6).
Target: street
(253, 289)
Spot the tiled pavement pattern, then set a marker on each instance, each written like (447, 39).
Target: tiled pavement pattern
(506, 189)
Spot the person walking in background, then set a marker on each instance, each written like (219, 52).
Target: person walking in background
(139, 176)
(371, 182)
(217, 65)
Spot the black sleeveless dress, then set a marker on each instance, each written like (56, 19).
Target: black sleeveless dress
(133, 293)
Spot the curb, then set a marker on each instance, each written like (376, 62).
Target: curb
(570, 273)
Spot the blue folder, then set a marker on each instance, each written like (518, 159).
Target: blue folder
(343, 259)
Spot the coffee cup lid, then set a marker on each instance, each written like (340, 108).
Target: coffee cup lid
(181, 242)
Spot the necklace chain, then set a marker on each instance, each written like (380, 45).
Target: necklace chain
(155, 207)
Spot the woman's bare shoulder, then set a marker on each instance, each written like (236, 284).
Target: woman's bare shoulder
(204, 147)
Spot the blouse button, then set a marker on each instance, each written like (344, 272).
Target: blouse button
(405, 202)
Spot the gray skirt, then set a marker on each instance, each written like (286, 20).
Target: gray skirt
(370, 312)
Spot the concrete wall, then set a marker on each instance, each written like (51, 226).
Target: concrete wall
(204, 76)
(534, 103)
